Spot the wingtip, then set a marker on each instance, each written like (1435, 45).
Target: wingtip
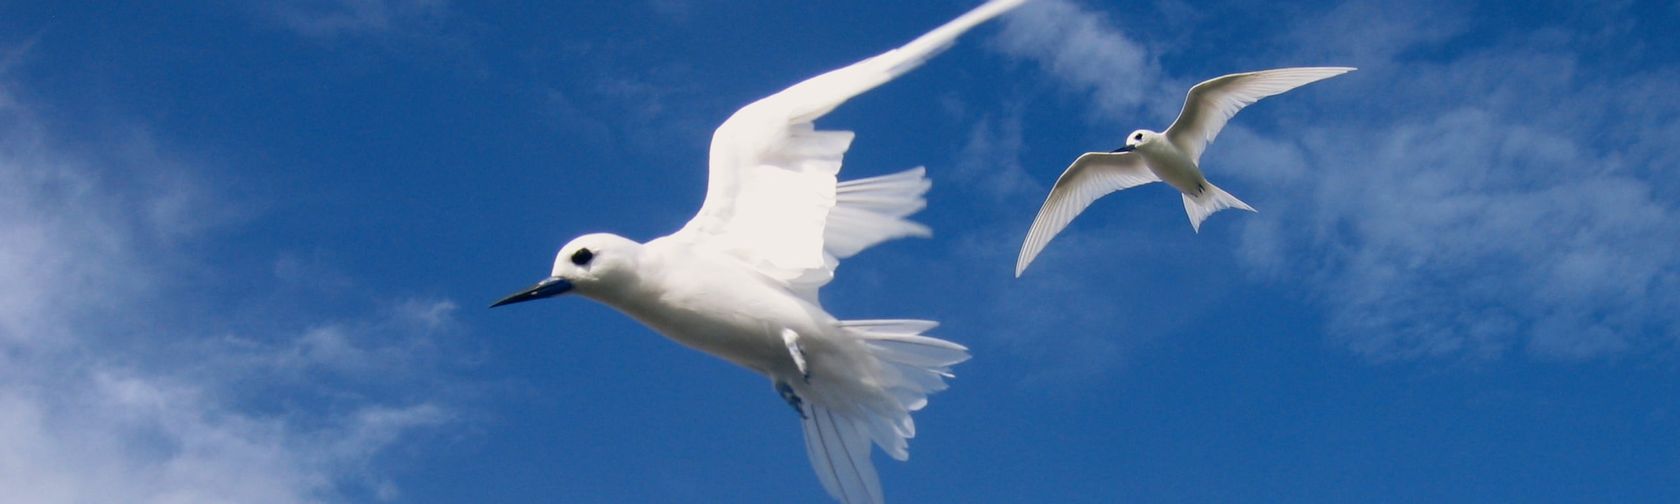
(992, 9)
(1006, 4)
(1024, 259)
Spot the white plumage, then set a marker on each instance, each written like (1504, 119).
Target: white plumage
(1173, 156)
(740, 280)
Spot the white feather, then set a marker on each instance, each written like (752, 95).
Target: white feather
(740, 280)
(772, 185)
(1091, 176)
(1213, 102)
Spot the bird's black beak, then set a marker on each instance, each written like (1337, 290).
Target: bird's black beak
(549, 287)
(1127, 148)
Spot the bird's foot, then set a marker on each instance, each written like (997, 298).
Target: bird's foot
(786, 391)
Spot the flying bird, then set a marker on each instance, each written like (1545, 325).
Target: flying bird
(1171, 156)
(740, 280)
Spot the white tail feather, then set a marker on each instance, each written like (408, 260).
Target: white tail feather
(911, 367)
(839, 450)
(1212, 199)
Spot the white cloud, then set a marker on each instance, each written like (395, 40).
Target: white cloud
(326, 19)
(107, 396)
(1374, 31)
(671, 10)
(1446, 240)
(1501, 201)
(991, 159)
(1082, 48)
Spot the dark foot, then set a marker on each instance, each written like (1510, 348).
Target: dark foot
(792, 399)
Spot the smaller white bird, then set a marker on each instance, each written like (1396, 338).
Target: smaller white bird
(1172, 156)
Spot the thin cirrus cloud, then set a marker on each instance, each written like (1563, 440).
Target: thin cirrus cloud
(1505, 200)
(110, 396)
(327, 19)
(1082, 49)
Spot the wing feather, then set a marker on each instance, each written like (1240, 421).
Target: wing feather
(772, 181)
(1092, 176)
(1212, 103)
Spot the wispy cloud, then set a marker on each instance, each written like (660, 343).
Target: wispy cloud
(1084, 50)
(327, 19)
(109, 396)
(1504, 199)
(991, 158)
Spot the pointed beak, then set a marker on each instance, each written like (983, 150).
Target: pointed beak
(549, 287)
(1127, 148)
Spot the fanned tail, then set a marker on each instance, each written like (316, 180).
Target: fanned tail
(839, 449)
(1212, 199)
(910, 368)
(907, 367)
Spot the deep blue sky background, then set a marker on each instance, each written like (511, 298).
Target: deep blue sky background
(245, 251)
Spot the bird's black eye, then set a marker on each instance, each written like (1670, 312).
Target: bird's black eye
(582, 256)
(1138, 137)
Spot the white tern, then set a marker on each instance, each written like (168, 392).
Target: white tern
(740, 280)
(1172, 156)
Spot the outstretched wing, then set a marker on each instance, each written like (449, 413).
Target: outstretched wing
(772, 181)
(1213, 102)
(1092, 176)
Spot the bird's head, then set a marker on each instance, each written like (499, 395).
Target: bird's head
(1137, 139)
(587, 264)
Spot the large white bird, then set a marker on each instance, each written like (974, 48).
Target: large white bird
(1172, 156)
(740, 280)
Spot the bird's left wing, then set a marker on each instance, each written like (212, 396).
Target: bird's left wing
(772, 180)
(1212, 103)
(1092, 176)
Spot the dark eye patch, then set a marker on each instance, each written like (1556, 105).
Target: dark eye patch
(582, 256)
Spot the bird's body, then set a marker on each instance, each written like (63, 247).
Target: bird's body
(714, 304)
(1173, 166)
(1173, 156)
(740, 280)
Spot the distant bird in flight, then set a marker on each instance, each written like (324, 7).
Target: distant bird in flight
(1171, 156)
(740, 280)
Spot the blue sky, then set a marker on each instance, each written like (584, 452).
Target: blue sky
(247, 250)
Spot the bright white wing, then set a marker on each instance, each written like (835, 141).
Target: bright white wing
(1213, 102)
(1092, 176)
(772, 180)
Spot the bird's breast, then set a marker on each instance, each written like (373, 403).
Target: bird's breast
(1176, 169)
(734, 317)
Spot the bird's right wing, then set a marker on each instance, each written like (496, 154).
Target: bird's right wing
(1213, 102)
(772, 182)
(1092, 176)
